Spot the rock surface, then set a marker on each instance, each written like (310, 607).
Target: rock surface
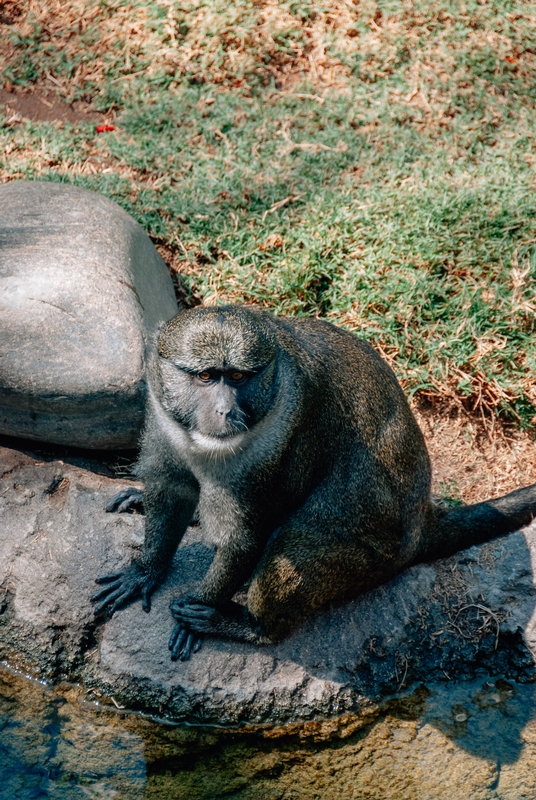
(456, 618)
(81, 287)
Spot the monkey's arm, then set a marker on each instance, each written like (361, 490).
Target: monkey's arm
(169, 508)
(209, 609)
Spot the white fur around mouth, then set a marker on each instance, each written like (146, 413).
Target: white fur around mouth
(215, 443)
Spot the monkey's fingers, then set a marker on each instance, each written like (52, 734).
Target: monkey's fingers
(189, 645)
(124, 599)
(130, 504)
(112, 576)
(174, 636)
(182, 610)
(176, 642)
(108, 600)
(106, 591)
(126, 500)
(146, 592)
(199, 625)
(183, 643)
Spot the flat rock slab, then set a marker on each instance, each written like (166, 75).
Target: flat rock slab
(453, 618)
(81, 289)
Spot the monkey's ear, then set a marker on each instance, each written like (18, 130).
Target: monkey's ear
(151, 344)
(158, 328)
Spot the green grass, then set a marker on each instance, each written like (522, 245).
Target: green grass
(401, 136)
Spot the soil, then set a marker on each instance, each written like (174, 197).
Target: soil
(41, 104)
(38, 102)
(472, 459)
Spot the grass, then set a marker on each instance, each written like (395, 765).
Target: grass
(372, 163)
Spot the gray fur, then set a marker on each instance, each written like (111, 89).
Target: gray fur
(310, 474)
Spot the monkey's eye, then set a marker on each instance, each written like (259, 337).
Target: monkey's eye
(204, 376)
(236, 376)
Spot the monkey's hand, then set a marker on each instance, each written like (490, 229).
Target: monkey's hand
(186, 638)
(183, 642)
(130, 500)
(229, 620)
(121, 588)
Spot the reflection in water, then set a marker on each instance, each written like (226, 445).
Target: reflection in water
(51, 747)
(472, 740)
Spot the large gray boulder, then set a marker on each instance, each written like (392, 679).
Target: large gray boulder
(81, 289)
(454, 618)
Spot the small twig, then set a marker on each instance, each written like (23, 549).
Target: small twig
(276, 206)
(230, 257)
(220, 135)
(487, 611)
(53, 79)
(180, 243)
(129, 75)
(304, 96)
(406, 662)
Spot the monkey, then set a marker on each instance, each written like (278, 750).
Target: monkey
(294, 444)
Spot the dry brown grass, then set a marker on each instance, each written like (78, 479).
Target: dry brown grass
(225, 43)
(215, 42)
(471, 460)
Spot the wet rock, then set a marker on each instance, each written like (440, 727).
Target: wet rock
(50, 746)
(53, 743)
(469, 615)
(81, 288)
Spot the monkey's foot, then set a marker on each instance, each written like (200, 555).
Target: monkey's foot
(183, 642)
(229, 620)
(129, 500)
(122, 588)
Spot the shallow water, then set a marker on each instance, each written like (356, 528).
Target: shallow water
(472, 740)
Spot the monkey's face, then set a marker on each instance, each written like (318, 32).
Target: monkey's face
(216, 404)
(217, 372)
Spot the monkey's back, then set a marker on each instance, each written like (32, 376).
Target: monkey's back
(373, 453)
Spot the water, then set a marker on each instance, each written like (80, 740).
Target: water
(472, 740)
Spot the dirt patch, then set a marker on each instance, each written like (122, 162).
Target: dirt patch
(41, 104)
(473, 463)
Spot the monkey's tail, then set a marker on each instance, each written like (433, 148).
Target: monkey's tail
(457, 528)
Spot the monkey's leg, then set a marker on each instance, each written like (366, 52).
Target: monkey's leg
(303, 570)
(128, 500)
(169, 508)
(300, 571)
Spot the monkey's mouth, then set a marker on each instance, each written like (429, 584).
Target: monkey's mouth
(229, 440)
